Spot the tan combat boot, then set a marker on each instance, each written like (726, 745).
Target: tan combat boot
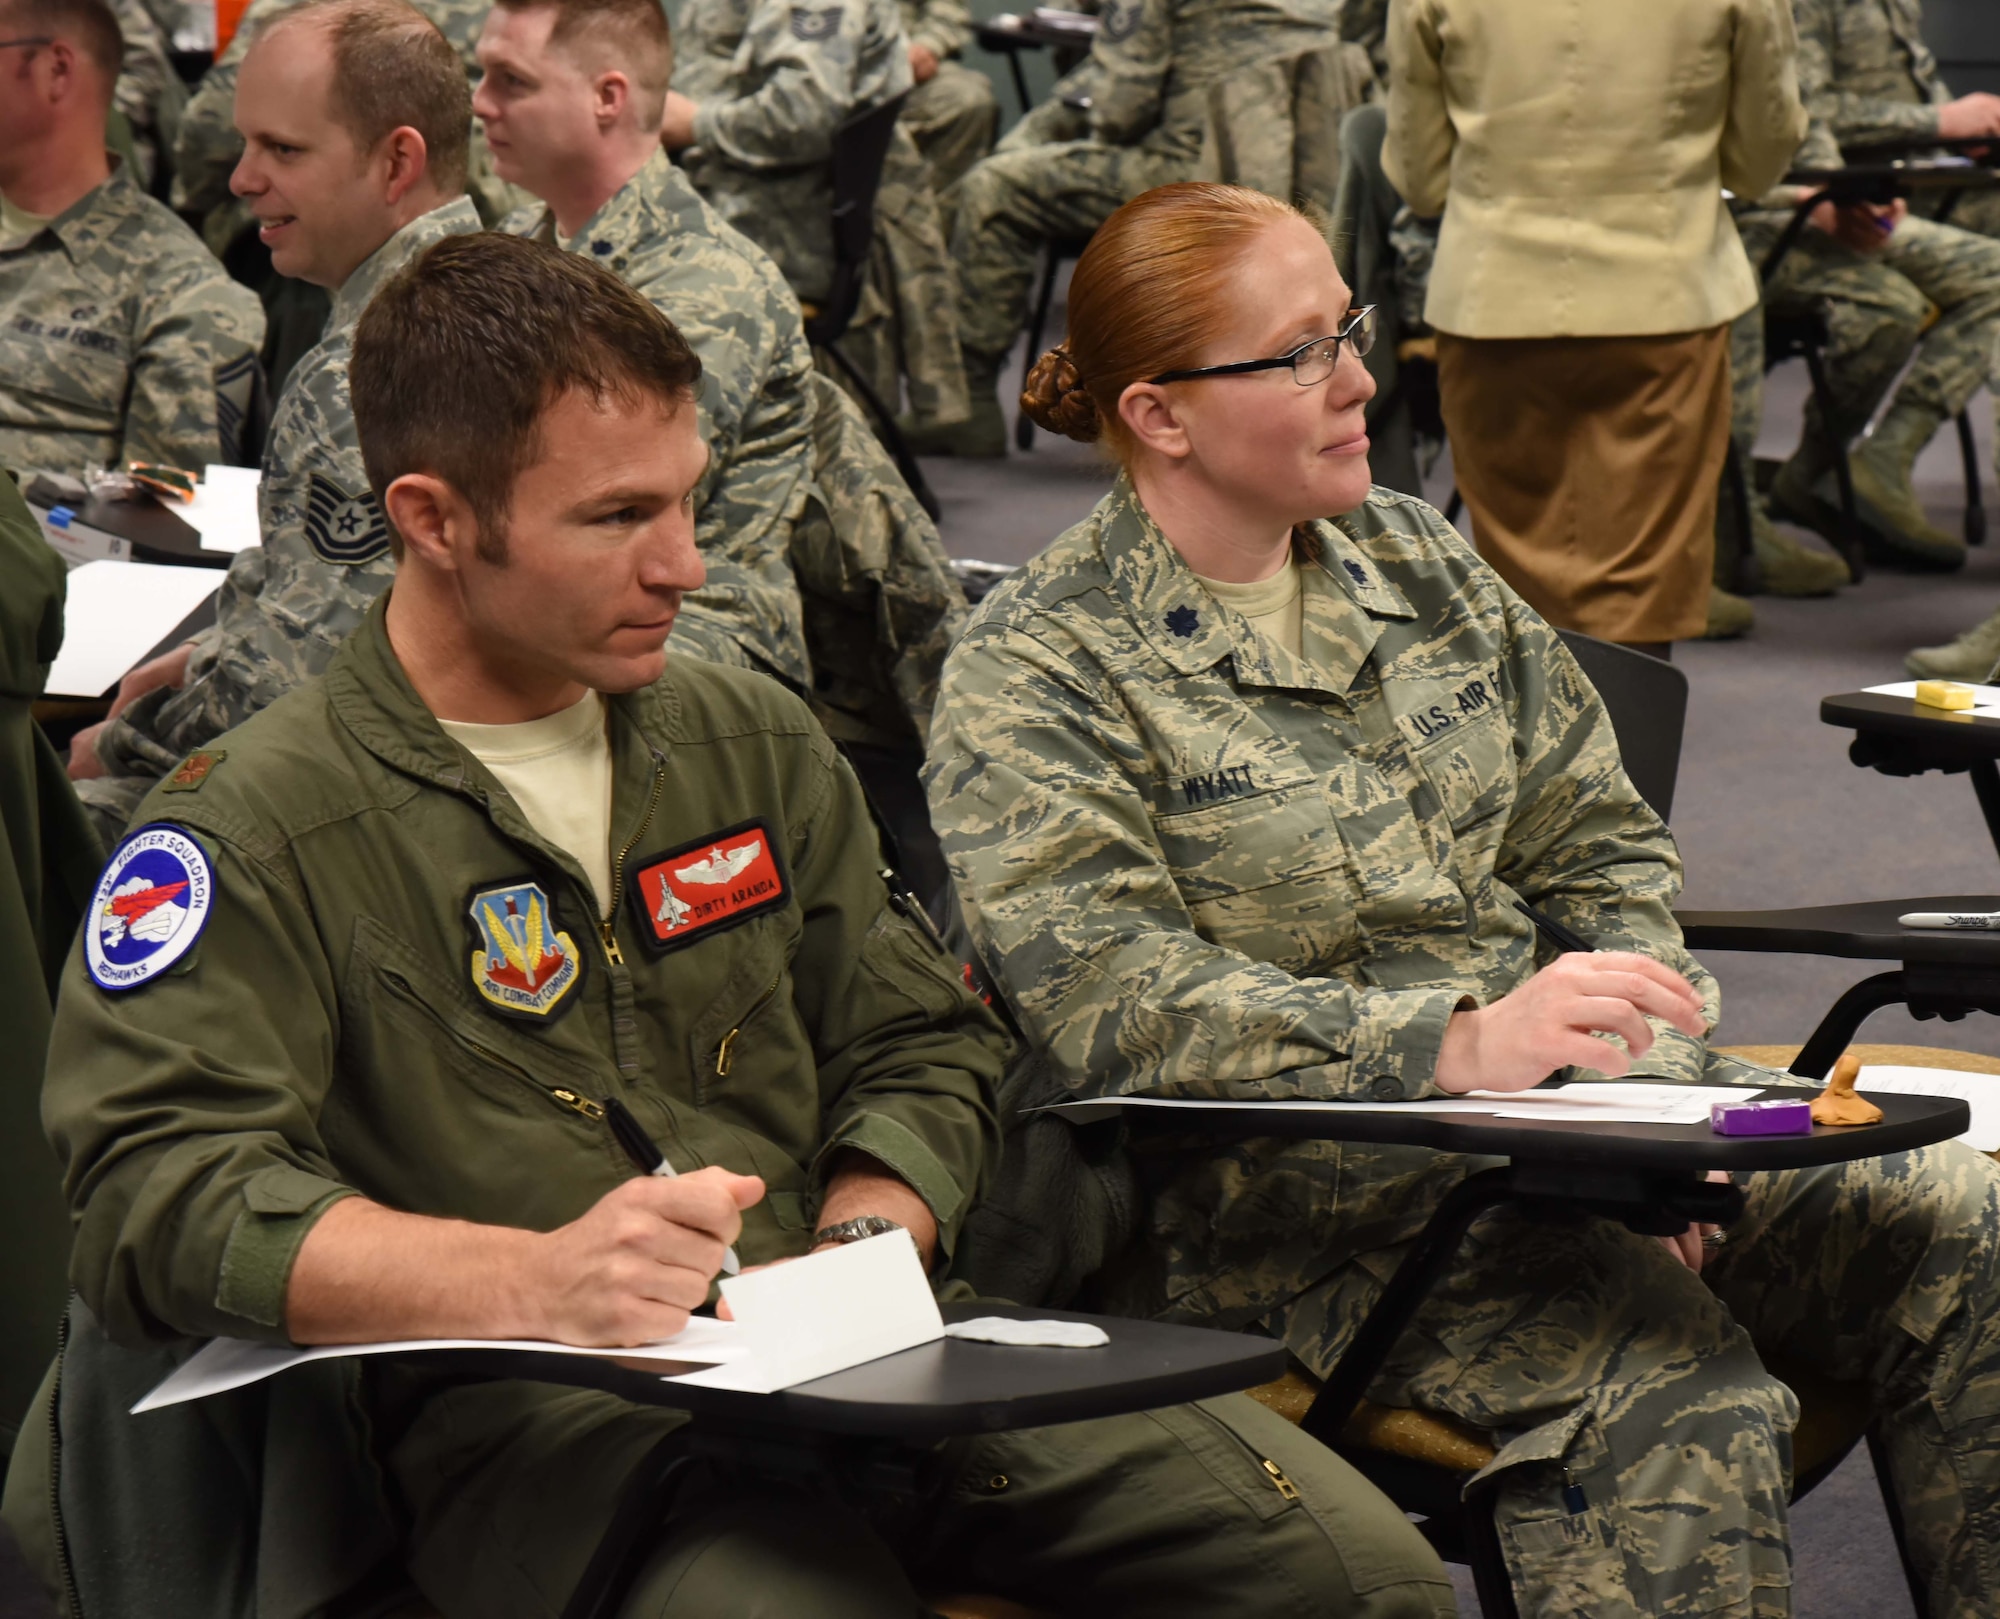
(1788, 568)
(1729, 617)
(1971, 657)
(1887, 502)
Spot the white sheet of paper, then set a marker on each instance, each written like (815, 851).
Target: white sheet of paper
(1980, 1092)
(115, 614)
(223, 1364)
(825, 1313)
(1985, 699)
(224, 509)
(1607, 1102)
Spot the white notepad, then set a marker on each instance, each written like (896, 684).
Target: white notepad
(115, 614)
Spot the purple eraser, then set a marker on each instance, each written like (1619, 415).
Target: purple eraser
(1773, 1118)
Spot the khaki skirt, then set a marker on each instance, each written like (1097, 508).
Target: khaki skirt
(1590, 467)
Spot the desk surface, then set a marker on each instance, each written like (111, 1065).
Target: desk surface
(1863, 179)
(1907, 1122)
(942, 1389)
(1867, 931)
(1906, 719)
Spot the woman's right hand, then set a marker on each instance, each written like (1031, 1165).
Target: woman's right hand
(1555, 1019)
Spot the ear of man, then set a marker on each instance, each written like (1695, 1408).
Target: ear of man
(430, 522)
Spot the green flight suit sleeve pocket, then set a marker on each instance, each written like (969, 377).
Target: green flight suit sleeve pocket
(280, 1205)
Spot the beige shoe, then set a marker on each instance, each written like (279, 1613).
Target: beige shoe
(1972, 656)
(1788, 568)
(1729, 617)
(1888, 504)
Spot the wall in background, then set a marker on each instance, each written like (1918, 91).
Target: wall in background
(1966, 36)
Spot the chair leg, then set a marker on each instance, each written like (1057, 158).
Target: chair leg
(1736, 489)
(892, 435)
(1975, 500)
(1878, 1453)
(642, 1502)
(1454, 506)
(1024, 429)
(1843, 1021)
(1491, 1582)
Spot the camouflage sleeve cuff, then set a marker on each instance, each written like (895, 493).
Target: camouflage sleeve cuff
(899, 1150)
(280, 1205)
(1393, 1048)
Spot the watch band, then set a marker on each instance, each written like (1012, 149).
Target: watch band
(865, 1225)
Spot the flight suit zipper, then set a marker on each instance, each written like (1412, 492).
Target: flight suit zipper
(725, 1053)
(561, 1095)
(72, 1598)
(607, 927)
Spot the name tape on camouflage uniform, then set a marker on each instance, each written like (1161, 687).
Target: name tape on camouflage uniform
(523, 966)
(708, 886)
(150, 906)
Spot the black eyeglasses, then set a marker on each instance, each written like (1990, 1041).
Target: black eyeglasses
(1312, 363)
(39, 39)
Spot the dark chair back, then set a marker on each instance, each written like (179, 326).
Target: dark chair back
(860, 147)
(1647, 699)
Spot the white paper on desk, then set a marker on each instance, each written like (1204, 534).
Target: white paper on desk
(1604, 1101)
(117, 612)
(1985, 699)
(223, 1364)
(1980, 1092)
(825, 1313)
(224, 509)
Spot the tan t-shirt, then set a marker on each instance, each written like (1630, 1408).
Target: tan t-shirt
(17, 224)
(559, 771)
(1275, 606)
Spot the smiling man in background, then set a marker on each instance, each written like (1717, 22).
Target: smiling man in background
(355, 116)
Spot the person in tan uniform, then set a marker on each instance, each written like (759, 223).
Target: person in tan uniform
(1587, 272)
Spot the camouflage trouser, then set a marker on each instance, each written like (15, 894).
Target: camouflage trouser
(952, 118)
(1028, 193)
(1879, 307)
(1645, 1451)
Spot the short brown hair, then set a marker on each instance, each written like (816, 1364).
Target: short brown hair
(89, 26)
(635, 31)
(391, 67)
(462, 351)
(1148, 292)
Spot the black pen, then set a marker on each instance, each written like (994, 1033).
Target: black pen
(913, 908)
(645, 1153)
(1566, 942)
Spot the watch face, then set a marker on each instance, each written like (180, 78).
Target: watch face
(866, 1225)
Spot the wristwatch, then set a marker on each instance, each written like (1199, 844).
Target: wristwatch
(866, 1225)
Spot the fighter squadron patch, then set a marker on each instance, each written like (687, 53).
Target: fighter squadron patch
(815, 23)
(708, 886)
(150, 906)
(523, 965)
(345, 529)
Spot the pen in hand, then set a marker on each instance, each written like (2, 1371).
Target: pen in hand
(644, 1153)
(1566, 941)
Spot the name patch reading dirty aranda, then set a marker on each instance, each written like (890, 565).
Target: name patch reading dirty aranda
(708, 886)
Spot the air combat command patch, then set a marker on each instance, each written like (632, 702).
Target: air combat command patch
(707, 886)
(523, 965)
(150, 906)
(343, 528)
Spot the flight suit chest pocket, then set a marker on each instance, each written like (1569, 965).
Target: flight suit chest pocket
(748, 1028)
(1266, 874)
(1461, 740)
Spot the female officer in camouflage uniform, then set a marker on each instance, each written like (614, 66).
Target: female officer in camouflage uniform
(1239, 800)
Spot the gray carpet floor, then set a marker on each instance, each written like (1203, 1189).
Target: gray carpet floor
(1769, 813)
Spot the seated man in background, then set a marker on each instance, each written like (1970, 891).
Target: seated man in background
(317, 1056)
(952, 113)
(570, 101)
(760, 90)
(149, 93)
(1131, 117)
(354, 115)
(121, 339)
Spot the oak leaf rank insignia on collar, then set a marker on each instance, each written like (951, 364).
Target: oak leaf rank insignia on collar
(523, 965)
(708, 886)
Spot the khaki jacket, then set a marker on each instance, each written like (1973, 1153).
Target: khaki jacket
(1584, 150)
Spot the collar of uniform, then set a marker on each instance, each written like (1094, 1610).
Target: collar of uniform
(452, 219)
(92, 218)
(1192, 631)
(646, 206)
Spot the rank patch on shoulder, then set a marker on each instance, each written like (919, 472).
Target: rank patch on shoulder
(150, 906)
(815, 23)
(523, 965)
(345, 529)
(708, 886)
(194, 770)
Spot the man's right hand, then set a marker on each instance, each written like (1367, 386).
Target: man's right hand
(168, 669)
(1861, 226)
(1555, 1019)
(923, 63)
(1969, 117)
(632, 1269)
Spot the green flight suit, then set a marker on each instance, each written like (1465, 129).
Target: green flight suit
(360, 1013)
(1201, 866)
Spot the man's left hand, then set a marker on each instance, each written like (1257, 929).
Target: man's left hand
(1692, 1247)
(923, 63)
(677, 121)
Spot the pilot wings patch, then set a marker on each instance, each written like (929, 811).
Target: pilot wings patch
(707, 886)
